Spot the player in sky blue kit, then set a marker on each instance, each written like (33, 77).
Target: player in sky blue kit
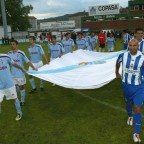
(110, 42)
(139, 33)
(126, 39)
(93, 41)
(7, 86)
(132, 70)
(68, 43)
(36, 53)
(87, 38)
(19, 57)
(55, 49)
(81, 42)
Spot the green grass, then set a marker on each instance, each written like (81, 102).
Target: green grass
(66, 116)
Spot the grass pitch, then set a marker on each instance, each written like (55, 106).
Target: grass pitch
(66, 116)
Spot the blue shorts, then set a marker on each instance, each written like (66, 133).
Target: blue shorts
(133, 94)
(125, 46)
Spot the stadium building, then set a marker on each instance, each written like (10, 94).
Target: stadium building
(127, 18)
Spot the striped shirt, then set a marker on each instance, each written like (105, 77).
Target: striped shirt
(132, 67)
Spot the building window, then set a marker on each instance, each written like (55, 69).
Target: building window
(136, 7)
(132, 7)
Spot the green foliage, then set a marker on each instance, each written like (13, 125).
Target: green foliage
(17, 15)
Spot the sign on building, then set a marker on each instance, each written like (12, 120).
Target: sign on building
(104, 9)
(57, 25)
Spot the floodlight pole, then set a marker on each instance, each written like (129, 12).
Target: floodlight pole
(4, 18)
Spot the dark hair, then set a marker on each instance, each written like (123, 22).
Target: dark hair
(15, 41)
(33, 37)
(125, 31)
(53, 36)
(67, 33)
(138, 29)
(79, 33)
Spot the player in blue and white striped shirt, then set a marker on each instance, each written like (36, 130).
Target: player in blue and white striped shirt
(36, 53)
(7, 86)
(139, 33)
(93, 41)
(126, 39)
(68, 43)
(19, 57)
(110, 43)
(132, 70)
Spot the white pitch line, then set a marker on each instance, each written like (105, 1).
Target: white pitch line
(101, 102)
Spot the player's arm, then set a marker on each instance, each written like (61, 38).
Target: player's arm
(62, 51)
(44, 56)
(49, 56)
(118, 62)
(18, 66)
(32, 66)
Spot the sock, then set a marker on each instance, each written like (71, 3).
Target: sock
(129, 109)
(18, 107)
(32, 82)
(23, 94)
(137, 122)
(17, 89)
(41, 83)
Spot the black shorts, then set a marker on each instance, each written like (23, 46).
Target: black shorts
(102, 45)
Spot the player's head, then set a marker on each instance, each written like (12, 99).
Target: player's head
(124, 31)
(139, 33)
(14, 44)
(68, 35)
(80, 35)
(53, 39)
(92, 34)
(133, 46)
(32, 39)
(111, 35)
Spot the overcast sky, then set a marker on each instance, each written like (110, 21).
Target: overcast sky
(52, 8)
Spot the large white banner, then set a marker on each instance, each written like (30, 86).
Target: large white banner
(57, 24)
(104, 9)
(81, 69)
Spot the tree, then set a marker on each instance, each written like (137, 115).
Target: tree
(17, 15)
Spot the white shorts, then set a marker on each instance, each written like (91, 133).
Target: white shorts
(51, 59)
(36, 65)
(9, 93)
(19, 81)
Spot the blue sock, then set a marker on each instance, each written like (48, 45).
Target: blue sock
(18, 107)
(23, 94)
(137, 122)
(129, 109)
(32, 82)
(41, 83)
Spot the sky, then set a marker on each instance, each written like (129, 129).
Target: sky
(53, 8)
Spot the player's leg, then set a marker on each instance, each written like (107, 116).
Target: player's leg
(23, 94)
(129, 102)
(11, 94)
(138, 101)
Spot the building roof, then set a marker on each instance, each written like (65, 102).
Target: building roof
(32, 17)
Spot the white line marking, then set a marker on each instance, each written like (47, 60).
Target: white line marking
(101, 102)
